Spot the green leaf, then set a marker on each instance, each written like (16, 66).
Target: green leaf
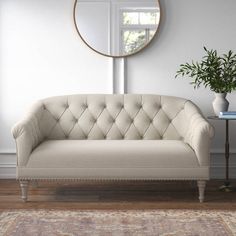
(213, 71)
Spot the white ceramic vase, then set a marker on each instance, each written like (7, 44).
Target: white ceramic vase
(220, 103)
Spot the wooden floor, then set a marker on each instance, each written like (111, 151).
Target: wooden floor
(116, 195)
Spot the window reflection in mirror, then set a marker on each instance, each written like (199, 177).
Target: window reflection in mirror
(117, 27)
(138, 28)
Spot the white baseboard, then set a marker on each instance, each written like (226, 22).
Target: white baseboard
(8, 165)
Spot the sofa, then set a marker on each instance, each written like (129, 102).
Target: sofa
(113, 137)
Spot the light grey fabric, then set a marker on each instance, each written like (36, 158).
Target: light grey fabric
(27, 134)
(113, 154)
(115, 117)
(200, 173)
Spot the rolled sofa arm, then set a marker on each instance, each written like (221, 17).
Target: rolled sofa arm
(27, 134)
(199, 134)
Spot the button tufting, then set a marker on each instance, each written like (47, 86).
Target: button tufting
(130, 118)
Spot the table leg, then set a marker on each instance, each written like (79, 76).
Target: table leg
(226, 187)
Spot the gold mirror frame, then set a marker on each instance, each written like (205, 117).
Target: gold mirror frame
(107, 55)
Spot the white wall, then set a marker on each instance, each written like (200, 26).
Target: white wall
(41, 55)
(186, 26)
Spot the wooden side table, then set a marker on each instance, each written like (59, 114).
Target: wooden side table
(226, 187)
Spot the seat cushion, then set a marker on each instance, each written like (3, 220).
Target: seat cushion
(113, 154)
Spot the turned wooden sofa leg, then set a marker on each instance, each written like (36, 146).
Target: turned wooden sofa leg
(24, 184)
(201, 188)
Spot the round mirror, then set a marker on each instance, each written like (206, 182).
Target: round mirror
(117, 28)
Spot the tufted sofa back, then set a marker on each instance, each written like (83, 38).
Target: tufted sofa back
(114, 117)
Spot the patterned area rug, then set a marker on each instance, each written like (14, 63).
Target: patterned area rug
(117, 223)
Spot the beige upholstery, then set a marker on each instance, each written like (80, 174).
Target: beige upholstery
(136, 159)
(113, 137)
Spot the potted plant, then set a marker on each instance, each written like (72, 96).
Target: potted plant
(216, 72)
